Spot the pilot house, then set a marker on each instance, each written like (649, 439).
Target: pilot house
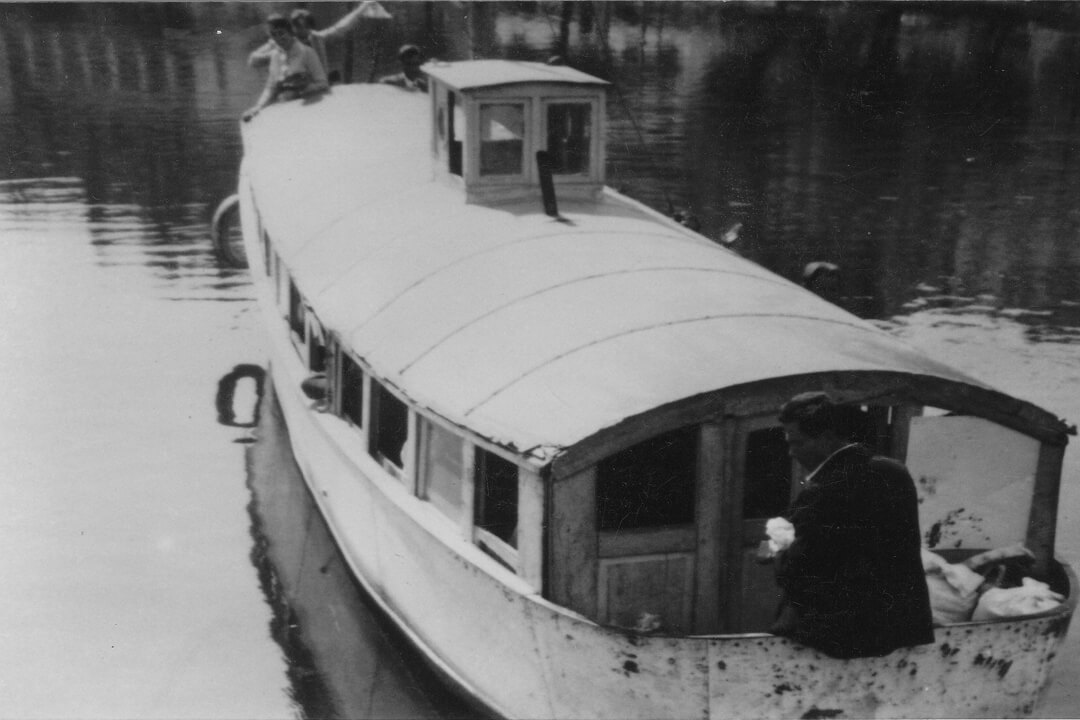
(491, 117)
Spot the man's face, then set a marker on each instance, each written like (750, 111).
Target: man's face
(300, 28)
(282, 38)
(411, 66)
(809, 451)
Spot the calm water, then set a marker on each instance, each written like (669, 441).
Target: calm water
(934, 154)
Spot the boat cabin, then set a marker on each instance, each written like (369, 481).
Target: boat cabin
(491, 117)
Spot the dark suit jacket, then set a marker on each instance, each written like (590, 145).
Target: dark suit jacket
(852, 582)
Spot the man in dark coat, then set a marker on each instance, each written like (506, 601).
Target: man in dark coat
(852, 579)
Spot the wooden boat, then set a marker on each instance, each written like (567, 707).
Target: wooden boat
(546, 438)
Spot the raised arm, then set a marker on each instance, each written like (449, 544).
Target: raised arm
(366, 9)
(260, 56)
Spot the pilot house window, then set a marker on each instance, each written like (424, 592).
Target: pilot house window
(650, 484)
(502, 132)
(569, 137)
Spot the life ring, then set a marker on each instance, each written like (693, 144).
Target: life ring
(223, 401)
(224, 216)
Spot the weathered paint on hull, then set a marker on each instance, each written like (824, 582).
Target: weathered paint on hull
(524, 657)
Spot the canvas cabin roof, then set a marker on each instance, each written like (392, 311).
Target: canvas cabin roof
(532, 332)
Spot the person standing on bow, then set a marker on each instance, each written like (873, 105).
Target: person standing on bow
(852, 580)
(295, 70)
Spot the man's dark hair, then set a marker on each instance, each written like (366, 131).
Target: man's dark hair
(304, 17)
(408, 52)
(815, 413)
(278, 22)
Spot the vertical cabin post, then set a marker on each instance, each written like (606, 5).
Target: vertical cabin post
(1042, 522)
(365, 414)
(729, 551)
(709, 494)
(574, 542)
(530, 535)
(468, 489)
(410, 466)
(901, 428)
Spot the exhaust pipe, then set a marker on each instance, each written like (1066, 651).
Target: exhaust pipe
(547, 185)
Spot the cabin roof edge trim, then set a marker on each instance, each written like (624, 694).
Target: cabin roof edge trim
(479, 74)
(861, 387)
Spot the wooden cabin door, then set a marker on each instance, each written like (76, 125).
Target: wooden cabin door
(764, 483)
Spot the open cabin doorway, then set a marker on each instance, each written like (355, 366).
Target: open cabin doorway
(766, 479)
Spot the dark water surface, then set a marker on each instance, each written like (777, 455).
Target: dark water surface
(159, 564)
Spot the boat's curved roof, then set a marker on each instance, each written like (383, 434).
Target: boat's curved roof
(475, 74)
(534, 333)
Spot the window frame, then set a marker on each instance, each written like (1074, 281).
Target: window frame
(609, 464)
(340, 395)
(425, 429)
(378, 393)
(501, 549)
(473, 141)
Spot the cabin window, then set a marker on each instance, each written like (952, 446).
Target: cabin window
(268, 254)
(277, 273)
(650, 484)
(296, 312)
(352, 391)
(569, 137)
(442, 468)
(766, 473)
(502, 139)
(389, 426)
(316, 345)
(496, 496)
(974, 478)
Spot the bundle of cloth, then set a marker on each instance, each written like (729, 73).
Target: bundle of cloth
(986, 586)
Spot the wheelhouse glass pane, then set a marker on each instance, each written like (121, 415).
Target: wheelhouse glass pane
(497, 496)
(502, 133)
(650, 484)
(569, 137)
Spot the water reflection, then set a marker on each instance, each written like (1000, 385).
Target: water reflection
(912, 145)
(932, 144)
(103, 94)
(345, 658)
